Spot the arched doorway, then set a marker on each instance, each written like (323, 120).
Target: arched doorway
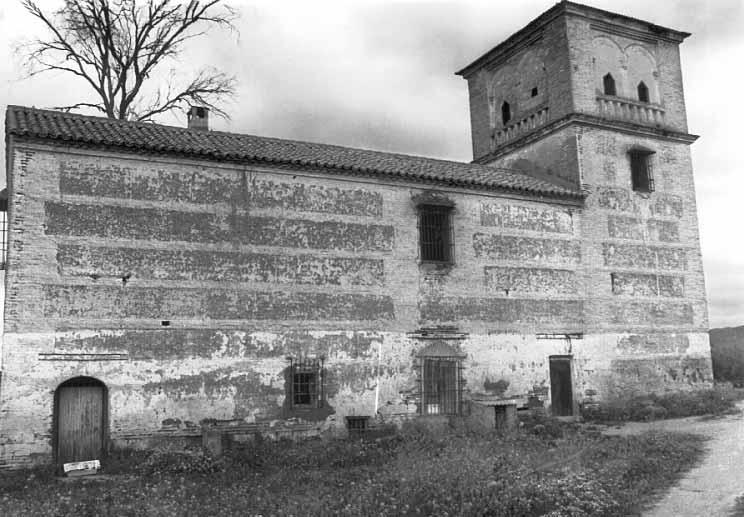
(80, 416)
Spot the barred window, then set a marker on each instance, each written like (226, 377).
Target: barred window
(441, 391)
(640, 170)
(306, 386)
(357, 425)
(435, 237)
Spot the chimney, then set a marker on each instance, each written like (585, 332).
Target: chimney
(198, 118)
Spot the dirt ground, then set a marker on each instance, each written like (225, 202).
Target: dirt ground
(711, 488)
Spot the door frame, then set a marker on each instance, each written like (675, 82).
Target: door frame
(569, 359)
(81, 380)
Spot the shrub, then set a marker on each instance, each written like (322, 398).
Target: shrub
(542, 425)
(738, 510)
(716, 401)
(183, 462)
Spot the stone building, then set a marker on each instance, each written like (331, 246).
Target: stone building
(160, 277)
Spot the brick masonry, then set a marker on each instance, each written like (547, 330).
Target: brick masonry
(640, 272)
(185, 286)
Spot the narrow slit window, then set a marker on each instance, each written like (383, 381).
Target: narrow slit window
(435, 237)
(640, 170)
(533, 93)
(609, 85)
(642, 92)
(505, 113)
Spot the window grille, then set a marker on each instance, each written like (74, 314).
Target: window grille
(357, 424)
(306, 386)
(608, 82)
(435, 234)
(640, 170)
(441, 382)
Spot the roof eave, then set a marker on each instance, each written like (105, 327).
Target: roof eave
(347, 170)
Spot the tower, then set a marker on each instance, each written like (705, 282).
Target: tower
(594, 99)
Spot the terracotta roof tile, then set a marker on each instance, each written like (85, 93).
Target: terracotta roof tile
(86, 130)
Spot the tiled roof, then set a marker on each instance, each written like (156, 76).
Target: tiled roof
(217, 145)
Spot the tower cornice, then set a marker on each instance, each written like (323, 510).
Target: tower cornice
(582, 119)
(602, 20)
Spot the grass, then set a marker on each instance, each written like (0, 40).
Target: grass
(720, 400)
(548, 468)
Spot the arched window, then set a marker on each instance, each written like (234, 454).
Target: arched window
(642, 92)
(505, 113)
(609, 85)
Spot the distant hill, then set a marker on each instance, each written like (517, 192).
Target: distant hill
(727, 353)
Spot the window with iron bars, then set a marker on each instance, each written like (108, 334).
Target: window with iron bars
(435, 234)
(640, 170)
(441, 386)
(357, 425)
(306, 386)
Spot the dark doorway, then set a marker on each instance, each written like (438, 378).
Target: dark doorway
(79, 420)
(560, 385)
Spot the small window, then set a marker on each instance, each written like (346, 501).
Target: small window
(505, 113)
(640, 170)
(609, 85)
(441, 392)
(357, 425)
(642, 92)
(534, 91)
(306, 383)
(435, 239)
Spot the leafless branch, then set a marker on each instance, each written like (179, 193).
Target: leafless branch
(115, 46)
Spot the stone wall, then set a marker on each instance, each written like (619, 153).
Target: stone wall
(630, 56)
(532, 76)
(188, 286)
(185, 286)
(642, 280)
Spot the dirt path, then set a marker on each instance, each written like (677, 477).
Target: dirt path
(711, 488)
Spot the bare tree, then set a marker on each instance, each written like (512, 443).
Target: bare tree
(116, 45)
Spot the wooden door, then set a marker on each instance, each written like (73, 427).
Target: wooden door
(80, 422)
(560, 385)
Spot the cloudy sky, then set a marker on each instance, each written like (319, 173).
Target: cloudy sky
(379, 75)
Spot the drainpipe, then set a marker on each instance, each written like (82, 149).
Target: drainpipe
(377, 387)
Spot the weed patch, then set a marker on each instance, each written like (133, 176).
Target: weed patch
(720, 400)
(550, 468)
